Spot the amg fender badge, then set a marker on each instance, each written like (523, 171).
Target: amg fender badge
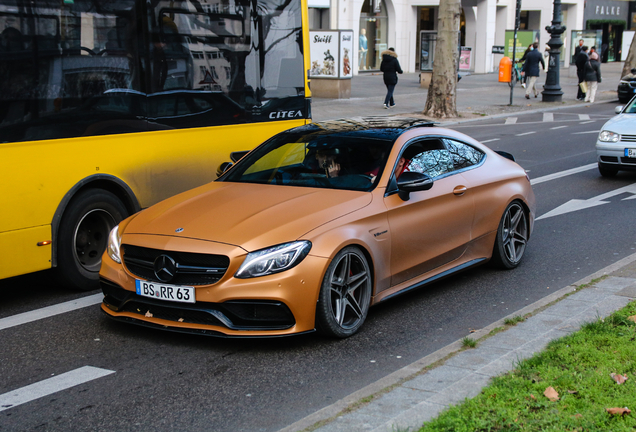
(178, 230)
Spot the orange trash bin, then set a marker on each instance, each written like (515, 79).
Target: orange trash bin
(505, 69)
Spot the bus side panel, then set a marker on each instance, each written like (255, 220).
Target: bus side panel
(20, 254)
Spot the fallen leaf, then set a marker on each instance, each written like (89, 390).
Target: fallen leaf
(180, 320)
(620, 379)
(551, 394)
(148, 314)
(618, 411)
(632, 318)
(577, 415)
(532, 396)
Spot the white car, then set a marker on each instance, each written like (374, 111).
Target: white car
(616, 143)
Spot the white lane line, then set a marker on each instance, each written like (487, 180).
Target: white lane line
(525, 133)
(587, 122)
(50, 311)
(548, 117)
(558, 127)
(586, 132)
(511, 120)
(491, 140)
(562, 174)
(51, 385)
(584, 116)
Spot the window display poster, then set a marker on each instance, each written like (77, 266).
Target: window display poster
(324, 53)
(346, 53)
(524, 38)
(464, 58)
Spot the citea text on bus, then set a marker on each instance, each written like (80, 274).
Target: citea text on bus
(285, 114)
(325, 39)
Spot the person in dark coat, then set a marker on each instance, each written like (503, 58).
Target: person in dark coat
(581, 61)
(531, 68)
(390, 66)
(592, 76)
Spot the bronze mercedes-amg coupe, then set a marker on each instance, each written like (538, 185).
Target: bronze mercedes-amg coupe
(314, 226)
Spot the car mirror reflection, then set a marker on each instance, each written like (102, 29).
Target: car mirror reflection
(222, 168)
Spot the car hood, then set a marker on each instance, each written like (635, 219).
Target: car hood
(250, 216)
(621, 124)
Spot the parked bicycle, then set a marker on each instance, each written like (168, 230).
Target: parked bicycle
(516, 74)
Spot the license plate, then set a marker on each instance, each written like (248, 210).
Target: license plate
(630, 153)
(177, 293)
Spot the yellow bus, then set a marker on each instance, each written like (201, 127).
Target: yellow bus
(109, 106)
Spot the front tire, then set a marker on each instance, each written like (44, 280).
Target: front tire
(345, 294)
(83, 235)
(512, 237)
(607, 170)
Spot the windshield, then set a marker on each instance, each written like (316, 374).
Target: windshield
(353, 161)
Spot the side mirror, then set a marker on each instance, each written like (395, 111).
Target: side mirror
(237, 155)
(412, 182)
(618, 109)
(222, 168)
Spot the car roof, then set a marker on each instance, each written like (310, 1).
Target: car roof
(381, 128)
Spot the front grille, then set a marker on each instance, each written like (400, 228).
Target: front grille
(628, 138)
(191, 269)
(627, 160)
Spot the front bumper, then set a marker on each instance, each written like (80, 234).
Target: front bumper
(276, 305)
(614, 155)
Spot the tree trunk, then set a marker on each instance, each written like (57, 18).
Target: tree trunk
(441, 98)
(630, 60)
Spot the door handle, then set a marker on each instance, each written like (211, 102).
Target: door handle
(460, 190)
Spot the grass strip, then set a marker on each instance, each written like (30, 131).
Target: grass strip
(578, 367)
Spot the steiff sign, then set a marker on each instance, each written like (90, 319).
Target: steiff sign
(498, 49)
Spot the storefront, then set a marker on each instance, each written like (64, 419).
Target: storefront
(373, 35)
(611, 17)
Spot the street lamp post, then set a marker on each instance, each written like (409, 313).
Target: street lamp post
(552, 90)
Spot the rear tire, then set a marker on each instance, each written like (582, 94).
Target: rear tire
(607, 170)
(512, 237)
(83, 236)
(345, 294)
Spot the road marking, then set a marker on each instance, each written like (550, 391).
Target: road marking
(548, 117)
(50, 311)
(586, 132)
(558, 127)
(51, 385)
(491, 140)
(563, 174)
(584, 116)
(578, 204)
(526, 133)
(587, 122)
(511, 120)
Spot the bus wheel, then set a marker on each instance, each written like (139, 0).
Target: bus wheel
(83, 236)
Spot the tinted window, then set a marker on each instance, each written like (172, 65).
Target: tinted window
(429, 157)
(76, 68)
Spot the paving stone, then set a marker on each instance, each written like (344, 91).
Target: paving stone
(413, 418)
(504, 364)
(629, 291)
(592, 295)
(568, 307)
(468, 387)
(614, 283)
(351, 422)
(437, 379)
(611, 304)
(509, 339)
(475, 358)
(393, 403)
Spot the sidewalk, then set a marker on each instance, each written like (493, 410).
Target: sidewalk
(477, 96)
(418, 392)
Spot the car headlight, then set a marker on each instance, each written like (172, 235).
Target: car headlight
(114, 244)
(607, 136)
(273, 260)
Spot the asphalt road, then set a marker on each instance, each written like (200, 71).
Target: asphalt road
(164, 382)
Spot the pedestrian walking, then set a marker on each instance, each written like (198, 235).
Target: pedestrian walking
(390, 66)
(581, 61)
(522, 60)
(592, 76)
(531, 68)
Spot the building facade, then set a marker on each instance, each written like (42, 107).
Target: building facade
(410, 27)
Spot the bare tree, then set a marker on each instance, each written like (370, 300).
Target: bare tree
(630, 60)
(441, 98)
